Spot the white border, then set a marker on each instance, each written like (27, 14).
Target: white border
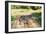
(9, 17)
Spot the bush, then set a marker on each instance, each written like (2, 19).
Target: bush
(13, 18)
(37, 16)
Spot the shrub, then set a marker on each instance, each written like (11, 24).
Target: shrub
(37, 16)
(13, 18)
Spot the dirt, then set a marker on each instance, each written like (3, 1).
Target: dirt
(23, 24)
